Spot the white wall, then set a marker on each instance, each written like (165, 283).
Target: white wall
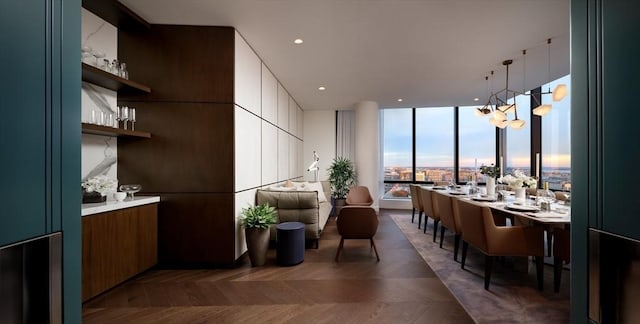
(320, 136)
(99, 153)
(367, 144)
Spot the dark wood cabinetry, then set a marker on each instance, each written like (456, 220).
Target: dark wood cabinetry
(189, 161)
(116, 246)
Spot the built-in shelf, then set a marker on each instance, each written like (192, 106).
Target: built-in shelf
(110, 131)
(116, 14)
(109, 80)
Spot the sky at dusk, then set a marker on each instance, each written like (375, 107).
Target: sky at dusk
(434, 135)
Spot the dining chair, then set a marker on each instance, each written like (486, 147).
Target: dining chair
(359, 196)
(479, 230)
(357, 222)
(561, 254)
(415, 202)
(430, 210)
(448, 220)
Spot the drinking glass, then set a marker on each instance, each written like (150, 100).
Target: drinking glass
(117, 117)
(132, 118)
(124, 115)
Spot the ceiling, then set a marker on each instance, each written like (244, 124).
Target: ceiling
(430, 53)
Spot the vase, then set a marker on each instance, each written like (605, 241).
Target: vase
(491, 187)
(521, 194)
(257, 243)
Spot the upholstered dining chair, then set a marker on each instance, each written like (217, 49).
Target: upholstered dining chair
(561, 254)
(415, 202)
(448, 219)
(359, 196)
(479, 230)
(430, 210)
(357, 222)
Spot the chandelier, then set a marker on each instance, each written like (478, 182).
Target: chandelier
(498, 105)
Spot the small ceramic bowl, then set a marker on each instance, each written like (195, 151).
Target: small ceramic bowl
(119, 196)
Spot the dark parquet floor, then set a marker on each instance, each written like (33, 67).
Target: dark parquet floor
(401, 288)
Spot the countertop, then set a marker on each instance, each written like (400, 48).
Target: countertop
(110, 205)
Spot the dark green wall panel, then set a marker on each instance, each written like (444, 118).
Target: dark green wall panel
(24, 125)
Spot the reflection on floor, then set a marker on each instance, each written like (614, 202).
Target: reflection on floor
(512, 298)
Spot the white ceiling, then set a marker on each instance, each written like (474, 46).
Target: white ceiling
(429, 52)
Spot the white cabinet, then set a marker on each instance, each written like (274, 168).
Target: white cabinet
(300, 127)
(283, 108)
(293, 120)
(283, 155)
(269, 96)
(269, 153)
(293, 156)
(247, 78)
(247, 130)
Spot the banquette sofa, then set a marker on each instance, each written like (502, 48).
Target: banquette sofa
(304, 202)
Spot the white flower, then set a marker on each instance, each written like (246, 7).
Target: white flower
(101, 184)
(518, 180)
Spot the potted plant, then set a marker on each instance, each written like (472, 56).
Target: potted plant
(492, 172)
(342, 176)
(256, 221)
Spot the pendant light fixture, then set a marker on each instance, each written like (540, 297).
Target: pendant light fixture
(558, 93)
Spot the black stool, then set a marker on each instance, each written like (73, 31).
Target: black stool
(290, 243)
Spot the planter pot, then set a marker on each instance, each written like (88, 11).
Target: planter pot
(491, 187)
(338, 203)
(92, 197)
(257, 244)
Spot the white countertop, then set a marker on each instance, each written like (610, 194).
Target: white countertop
(96, 208)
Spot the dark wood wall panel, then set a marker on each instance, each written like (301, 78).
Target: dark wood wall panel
(190, 149)
(180, 63)
(197, 229)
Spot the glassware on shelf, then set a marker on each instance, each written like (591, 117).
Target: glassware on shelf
(124, 116)
(99, 56)
(115, 67)
(130, 189)
(123, 73)
(116, 123)
(87, 55)
(132, 118)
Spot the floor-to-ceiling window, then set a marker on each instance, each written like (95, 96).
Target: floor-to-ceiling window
(434, 144)
(426, 145)
(556, 140)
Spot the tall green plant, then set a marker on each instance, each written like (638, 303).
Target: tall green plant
(342, 176)
(260, 216)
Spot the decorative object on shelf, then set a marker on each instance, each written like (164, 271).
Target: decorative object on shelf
(130, 189)
(313, 167)
(119, 196)
(95, 189)
(492, 172)
(342, 176)
(256, 221)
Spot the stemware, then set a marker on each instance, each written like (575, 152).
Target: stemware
(130, 189)
(124, 115)
(117, 117)
(132, 118)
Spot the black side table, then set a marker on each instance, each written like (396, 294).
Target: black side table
(290, 243)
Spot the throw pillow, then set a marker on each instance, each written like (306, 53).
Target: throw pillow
(280, 188)
(317, 186)
(289, 184)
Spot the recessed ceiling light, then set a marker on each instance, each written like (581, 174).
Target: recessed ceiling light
(298, 41)
(322, 88)
(476, 99)
(399, 99)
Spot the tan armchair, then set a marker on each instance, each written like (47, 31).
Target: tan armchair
(430, 210)
(561, 254)
(359, 196)
(416, 202)
(449, 219)
(479, 230)
(357, 222)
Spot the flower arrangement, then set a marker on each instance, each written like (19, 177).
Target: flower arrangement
(101, 184)
(490, 171)
(519, 180)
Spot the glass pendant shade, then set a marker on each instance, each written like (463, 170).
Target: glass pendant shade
(541, 110)
(502, 124)
(517, 123)
(478, 112)
(499, 115)
(507, 108)
(559, 92)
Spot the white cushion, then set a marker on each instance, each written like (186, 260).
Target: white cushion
(301, 185)
(316, 186)
(281, 188)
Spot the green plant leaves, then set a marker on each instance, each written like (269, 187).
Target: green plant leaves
(260, 216)
(342, 176)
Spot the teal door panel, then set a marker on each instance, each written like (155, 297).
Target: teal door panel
(23, 126)
(620, 133)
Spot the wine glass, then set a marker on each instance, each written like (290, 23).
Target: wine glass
(124, 115)
(130, 189)
(117, 119)
(132, 118)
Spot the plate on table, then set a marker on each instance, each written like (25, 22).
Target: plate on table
(438, 187)
(456, 193)
(489, 199)
(522, 208)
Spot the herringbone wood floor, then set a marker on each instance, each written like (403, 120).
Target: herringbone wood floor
(401, 288)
